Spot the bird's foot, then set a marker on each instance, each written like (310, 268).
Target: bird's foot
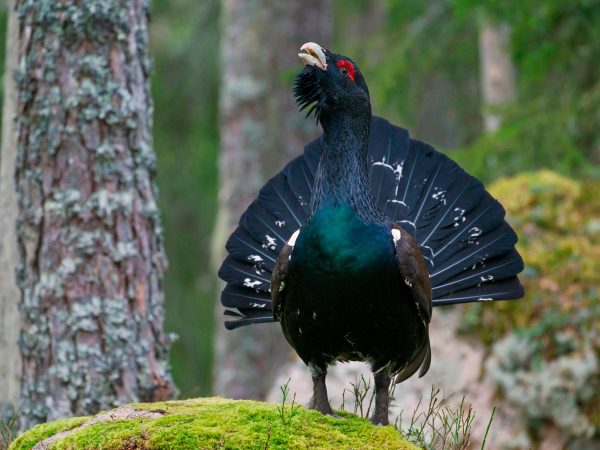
(379, 419)
(322, 406)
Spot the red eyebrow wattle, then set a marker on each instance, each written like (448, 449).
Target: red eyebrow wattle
(347, 65)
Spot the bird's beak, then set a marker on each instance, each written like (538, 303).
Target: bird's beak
(313, 55)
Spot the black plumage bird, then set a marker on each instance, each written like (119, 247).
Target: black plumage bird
(352, 243)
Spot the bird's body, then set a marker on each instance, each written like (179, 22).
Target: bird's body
(351, 245)
(345, 299)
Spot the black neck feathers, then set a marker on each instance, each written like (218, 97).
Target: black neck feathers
(342, 176)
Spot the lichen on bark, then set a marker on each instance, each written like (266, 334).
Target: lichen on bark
(89, 234)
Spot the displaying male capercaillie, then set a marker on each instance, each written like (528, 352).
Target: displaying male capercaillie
(352, 243)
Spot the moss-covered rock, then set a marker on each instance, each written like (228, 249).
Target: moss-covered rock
(211, 423)
(558, 223)
(546, 347)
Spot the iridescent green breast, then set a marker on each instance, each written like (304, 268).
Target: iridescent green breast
(337, 240)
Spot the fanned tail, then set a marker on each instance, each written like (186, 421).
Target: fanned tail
(280, 209)
(459, 226)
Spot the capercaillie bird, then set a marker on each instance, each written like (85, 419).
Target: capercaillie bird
(352, 243)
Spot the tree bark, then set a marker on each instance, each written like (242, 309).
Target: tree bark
(10, 362)
(89, 235)
(261, 130)
(497, 71)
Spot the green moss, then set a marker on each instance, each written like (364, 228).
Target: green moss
(218, 423)
(45, 430)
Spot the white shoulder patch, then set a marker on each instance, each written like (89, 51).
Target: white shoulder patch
(292, 241)
(396, 235)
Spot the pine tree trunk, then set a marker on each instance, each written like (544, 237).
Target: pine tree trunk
(10, 362)
(261, 129)
(89, 234)
(497, 71)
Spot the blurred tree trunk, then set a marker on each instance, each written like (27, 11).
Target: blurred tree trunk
(261, 130)
(497, 71)
(89, 235)
(10, 362)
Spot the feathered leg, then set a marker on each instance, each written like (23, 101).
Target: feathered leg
(319, 400)
(382, 397)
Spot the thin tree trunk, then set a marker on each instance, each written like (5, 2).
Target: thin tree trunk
(261, 130)
(497, 71)
(89, 234)
(10, 362)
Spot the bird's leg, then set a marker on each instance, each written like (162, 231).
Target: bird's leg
(319, 400)
(382, 397)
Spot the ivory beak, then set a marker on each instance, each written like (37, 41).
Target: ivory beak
(313, 55)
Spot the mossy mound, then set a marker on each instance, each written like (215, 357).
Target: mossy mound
(211, 423)
(557, 220)
(547, 346)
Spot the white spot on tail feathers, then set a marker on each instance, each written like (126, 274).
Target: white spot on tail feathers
(254, 258)
(440, 195)
(299, 330)
(314, 315)
(292, 240)
(474, 233)
(397, 171)
(271, 243)
(396, 235)
(484, 299)
(251, 284)
(487, 277)
(460, 216)
(408, 281)
(481, 263)
(281, 286)
(280, 223)
(258, 305)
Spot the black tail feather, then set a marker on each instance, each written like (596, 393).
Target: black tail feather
(460, 228)
(510, 289)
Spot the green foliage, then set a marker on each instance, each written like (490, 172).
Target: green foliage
(361, 389)
(556, 118)
(184, 37)
(420, 61)
(547, 346)
(9, 423)
(286, 417)
(219, 423)
(422, 66)
(439, 425)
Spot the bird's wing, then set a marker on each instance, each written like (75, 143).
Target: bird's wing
(413, 273)
(279, 279)
(280, 209)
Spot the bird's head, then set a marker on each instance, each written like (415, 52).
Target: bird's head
(330, 84)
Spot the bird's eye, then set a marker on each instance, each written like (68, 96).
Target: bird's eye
(346, 69)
